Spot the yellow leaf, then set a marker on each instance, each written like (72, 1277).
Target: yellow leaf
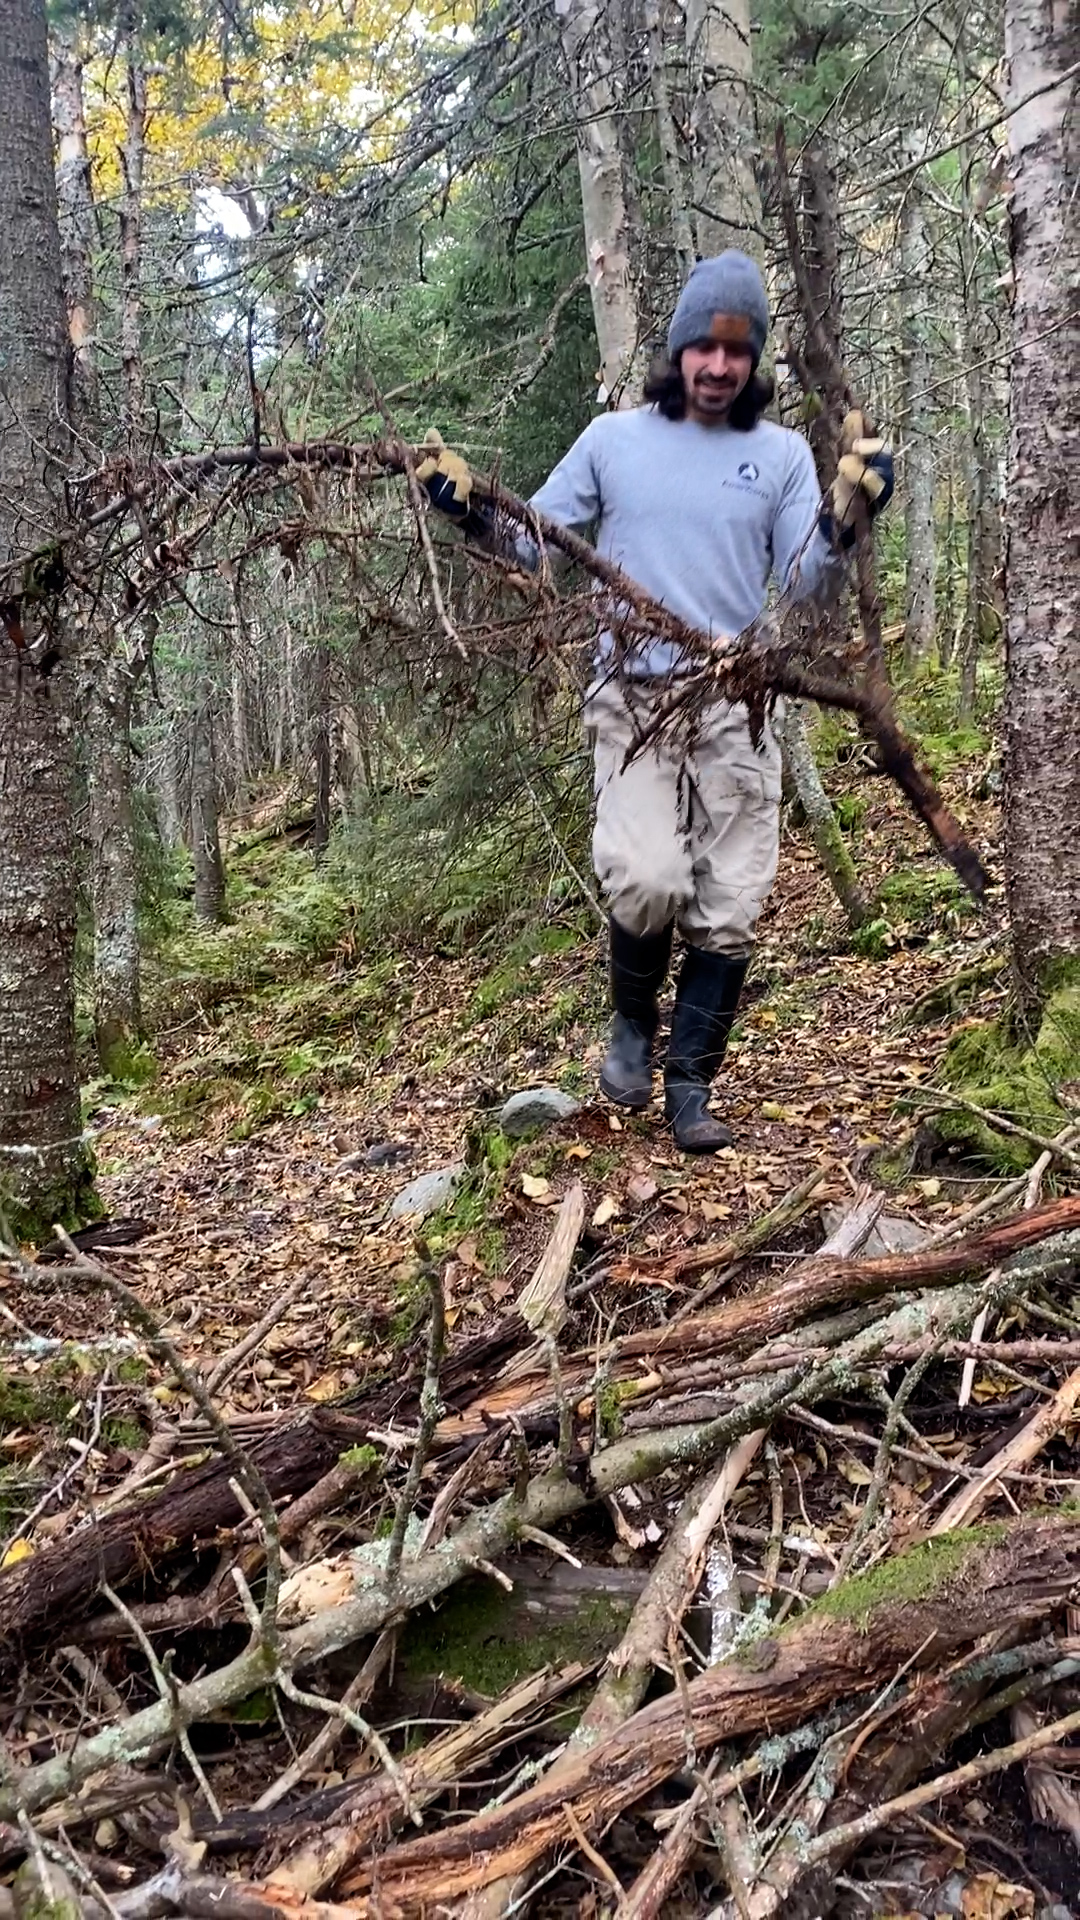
(606, 1210)
(931, 1188)
(325, 1387)
(771, 1110)
(578, 1152)
(18, 1550)
(855, 1473)
(534, 1186)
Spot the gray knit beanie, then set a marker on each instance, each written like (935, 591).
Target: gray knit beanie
(730, 284)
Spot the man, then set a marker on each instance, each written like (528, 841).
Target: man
(700, 500)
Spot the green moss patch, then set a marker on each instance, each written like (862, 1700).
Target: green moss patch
(486, 1639)
(915, 1575)
(1032, 1085)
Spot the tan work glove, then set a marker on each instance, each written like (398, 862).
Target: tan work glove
(445, 476)
(866, 467)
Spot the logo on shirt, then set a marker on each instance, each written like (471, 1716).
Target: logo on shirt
(749, 472)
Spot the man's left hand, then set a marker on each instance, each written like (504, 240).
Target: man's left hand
(865, 470)
(445, 477)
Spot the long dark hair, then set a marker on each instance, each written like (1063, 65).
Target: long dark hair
(665, 388)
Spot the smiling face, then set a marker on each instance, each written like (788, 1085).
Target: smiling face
(715, 370)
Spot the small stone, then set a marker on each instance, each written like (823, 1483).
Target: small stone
(426, 1194)
(387, 1153)
(534, 1108)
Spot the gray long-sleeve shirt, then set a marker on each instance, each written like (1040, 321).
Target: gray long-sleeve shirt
(701, 517)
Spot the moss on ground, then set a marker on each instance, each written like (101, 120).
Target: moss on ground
(991, 1066)
(481, 1637)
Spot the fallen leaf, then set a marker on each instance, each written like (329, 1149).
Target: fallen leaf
(987, 1897)
(641, 1188)
(326, 1387)
(931, 1188)
(534, 1186)
(18, 1550)
(578, 1152)
(772, 1110)
(712, 1210)
(606, 1210)
(855, 1473)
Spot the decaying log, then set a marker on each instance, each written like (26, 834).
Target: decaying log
(956, 1591)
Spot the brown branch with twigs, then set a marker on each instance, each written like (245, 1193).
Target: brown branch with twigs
(776, 655)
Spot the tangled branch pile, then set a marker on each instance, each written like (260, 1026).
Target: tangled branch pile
(784, 1737)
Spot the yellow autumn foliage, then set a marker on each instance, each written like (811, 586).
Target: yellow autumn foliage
(218, 114)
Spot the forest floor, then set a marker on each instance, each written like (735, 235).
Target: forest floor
(263, 1161)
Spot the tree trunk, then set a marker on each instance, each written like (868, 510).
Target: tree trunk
(1042, 816)
(77, 231)
(43, 1167)
(727, 205)
(585, 28)
(167, 789)
(132, 155)
(109, 673)
(982, 610)
(919, 624)
(323, 752)
(682, 236)
(820, 815)
(205, 833)
(118, 1027)
(823, 343)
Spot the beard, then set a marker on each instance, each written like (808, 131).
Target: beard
(713, 397)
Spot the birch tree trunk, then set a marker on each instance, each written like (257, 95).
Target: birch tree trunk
(585, 27)
(919, 623)
(1042, 813)
(727, 204)
(44, 1173)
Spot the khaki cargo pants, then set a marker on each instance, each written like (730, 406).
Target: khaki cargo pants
(685, 831)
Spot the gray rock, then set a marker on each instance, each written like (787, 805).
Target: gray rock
(388, 1153)
(427, 1193)
(536, 1107)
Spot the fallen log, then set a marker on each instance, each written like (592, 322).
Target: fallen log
(61, 1581)
(740, 1325)
(948, 1594)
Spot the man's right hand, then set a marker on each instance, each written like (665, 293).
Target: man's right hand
(445, 476)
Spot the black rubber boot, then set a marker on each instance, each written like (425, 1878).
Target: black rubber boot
(705, 1007)
(638, 971)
